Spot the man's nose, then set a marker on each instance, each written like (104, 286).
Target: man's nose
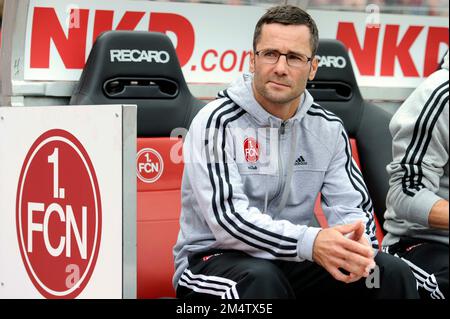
(281, 66)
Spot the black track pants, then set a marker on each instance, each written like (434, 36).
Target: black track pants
(429, 263)
(236, 275)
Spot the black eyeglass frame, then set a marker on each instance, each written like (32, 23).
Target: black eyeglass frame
(308, 59)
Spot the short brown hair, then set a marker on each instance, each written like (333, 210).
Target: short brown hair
(288, 15)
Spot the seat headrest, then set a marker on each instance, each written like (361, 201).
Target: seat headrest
(142, 68)
(334, 86)
(335, 64)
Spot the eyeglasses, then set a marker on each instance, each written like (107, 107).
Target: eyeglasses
(292, 59)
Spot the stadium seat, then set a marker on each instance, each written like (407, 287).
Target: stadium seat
(367, 124)
(130, 67)
(155, 83)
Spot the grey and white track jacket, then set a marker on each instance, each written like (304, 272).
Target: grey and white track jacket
(419, 170)
(250, 179)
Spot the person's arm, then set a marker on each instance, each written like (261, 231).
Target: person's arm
(350, 243)
(438, 217)
(420, 153)
(345, 198)
(218, 191)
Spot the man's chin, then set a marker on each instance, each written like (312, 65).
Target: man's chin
(279, 98)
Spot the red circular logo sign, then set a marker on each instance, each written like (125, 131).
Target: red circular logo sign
(251, 150)
(150, 165)
(58, 215)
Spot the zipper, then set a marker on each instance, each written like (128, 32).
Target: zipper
(283, 128)
(280, 161)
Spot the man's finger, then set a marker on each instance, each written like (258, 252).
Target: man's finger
(351, 263)
(359, 231)
(346, 229)
(357, 247)
(356, 267)
(338, 275)
(353, 278)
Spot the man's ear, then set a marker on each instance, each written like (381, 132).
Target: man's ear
(314, 67)
(252, 61)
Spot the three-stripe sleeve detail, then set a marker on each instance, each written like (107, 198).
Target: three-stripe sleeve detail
(353, 173)
(420, 141)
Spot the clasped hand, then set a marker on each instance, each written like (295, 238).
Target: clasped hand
(344, 247)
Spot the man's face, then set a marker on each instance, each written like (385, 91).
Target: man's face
(280, 83)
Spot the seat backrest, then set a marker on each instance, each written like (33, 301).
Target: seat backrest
(130, 67)
(367, 124)
(138, 67)
(158, 211)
